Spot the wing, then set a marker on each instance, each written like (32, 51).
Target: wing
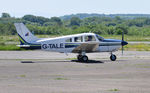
(86, 47)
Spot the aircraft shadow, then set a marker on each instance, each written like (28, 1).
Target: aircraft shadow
(89, 61)
(67, 61)
(51, 61)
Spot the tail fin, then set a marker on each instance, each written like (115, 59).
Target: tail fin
(25, 36)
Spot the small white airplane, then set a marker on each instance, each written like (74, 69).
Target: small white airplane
(79, 43)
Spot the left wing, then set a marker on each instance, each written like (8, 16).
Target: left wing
(86, 47)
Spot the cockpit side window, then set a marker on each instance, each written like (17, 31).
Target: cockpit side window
(69, 40)
(89, 38)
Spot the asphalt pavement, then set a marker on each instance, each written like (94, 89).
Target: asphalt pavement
(49, 72)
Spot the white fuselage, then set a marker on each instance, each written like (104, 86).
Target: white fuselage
(60, 44)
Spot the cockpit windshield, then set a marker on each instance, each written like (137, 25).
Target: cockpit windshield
(99, 38)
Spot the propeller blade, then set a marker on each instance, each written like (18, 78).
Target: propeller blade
(122, 49)
(122, 36)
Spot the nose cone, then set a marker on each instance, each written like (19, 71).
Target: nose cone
(123, 43)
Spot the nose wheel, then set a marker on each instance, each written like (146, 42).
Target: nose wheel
(113, 57)
(83, 58)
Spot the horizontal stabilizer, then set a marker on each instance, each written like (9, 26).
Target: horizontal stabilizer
(23, 46)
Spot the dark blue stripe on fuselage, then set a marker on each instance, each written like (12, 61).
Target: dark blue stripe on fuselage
(111, 40)
(71, 45)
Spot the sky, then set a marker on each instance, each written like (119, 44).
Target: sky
(50, 8)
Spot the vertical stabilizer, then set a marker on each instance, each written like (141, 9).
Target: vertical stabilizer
(25, 35)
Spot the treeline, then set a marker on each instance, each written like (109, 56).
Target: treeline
(86, 15)
(106, 25)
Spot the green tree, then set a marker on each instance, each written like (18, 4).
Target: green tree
(117, 18)
(31, 18)
(5, 15)
(56, 20)
(75, 21)
(37, 19)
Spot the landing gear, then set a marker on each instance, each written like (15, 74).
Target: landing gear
(83, 58)
(79, 57)
(113, 57)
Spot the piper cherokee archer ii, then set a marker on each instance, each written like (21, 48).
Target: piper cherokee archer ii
(78, 43)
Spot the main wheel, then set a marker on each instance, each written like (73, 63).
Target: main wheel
(84, 58)
(113, 57)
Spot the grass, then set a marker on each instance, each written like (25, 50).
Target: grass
(71, 58)
(9, 38)
(61, 78)
(138, 47)
(127, 37)
(9, 47)
(143, 65)
(23, 76)
(114, 89)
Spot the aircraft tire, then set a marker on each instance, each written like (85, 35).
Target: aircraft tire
(113, 57)
(84, 58)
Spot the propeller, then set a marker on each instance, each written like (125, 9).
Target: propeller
(123, 43)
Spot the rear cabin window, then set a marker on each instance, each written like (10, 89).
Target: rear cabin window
(78, 39)
(89, 38)
(69, 40)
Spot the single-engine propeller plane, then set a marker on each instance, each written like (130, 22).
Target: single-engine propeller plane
(78, 43)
